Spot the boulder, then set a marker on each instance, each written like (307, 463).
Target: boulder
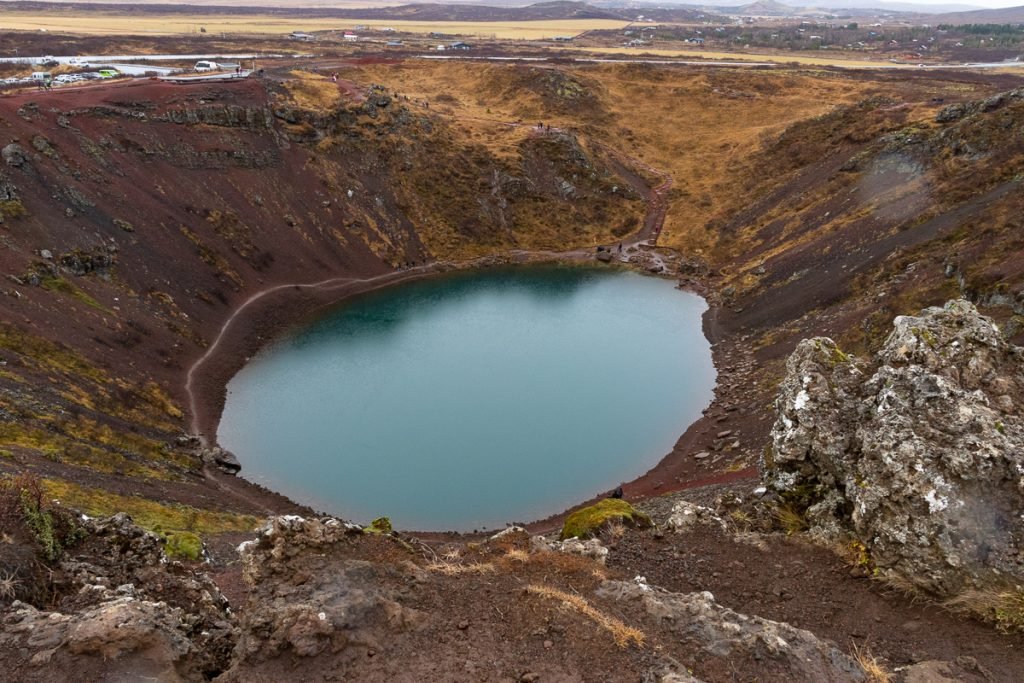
(592, 548)
(686, 515)
(14, 155)
(223, 459)
(309, 595)
(781, 651)
(918, 453)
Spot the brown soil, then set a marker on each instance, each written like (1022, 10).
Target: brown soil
(812, 588)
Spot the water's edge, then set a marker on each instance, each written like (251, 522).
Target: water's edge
(482, 282)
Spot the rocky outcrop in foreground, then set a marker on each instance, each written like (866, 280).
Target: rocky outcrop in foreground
(122, 612)
(329, 600)
(918, 453)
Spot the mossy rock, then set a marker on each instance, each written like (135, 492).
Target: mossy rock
(381, 525)
(184, 545)
(589, 521)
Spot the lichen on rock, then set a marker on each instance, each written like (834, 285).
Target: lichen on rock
(919, 453)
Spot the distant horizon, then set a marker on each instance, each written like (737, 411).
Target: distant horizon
(372, 4)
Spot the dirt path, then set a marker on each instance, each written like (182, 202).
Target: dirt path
(326, 285)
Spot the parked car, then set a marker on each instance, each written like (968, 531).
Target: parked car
(205, 66)
(109, 73)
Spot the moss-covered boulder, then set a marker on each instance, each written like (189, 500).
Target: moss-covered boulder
(589, 521)
(381, 525)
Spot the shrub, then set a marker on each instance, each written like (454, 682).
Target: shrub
(184, 545)
(52, 529)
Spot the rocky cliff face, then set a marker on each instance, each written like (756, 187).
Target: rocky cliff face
(918, 452)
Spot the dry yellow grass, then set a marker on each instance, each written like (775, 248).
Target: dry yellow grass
(1002, 606)
(874, 669)
(698, 125)
(623, 634)
(516, 555)
(313, 92)
(452, 569)
(159, 24)
(514, 30)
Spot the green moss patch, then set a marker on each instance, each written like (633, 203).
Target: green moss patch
(162, 518)
(381, 525)
(590, 520)
(184, 545)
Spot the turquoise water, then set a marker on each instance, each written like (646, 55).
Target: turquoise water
(475, 399)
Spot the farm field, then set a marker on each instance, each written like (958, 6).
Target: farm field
(157, 24)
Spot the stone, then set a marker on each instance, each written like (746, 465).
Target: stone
(340, 604)
(721, 633)
(592, 548)
(934, 671)
(686, 515)
(14, 155)
(224, 460)
(508, 531)
(911, 452)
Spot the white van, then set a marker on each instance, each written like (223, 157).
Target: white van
(206, 66)
(42, 76)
